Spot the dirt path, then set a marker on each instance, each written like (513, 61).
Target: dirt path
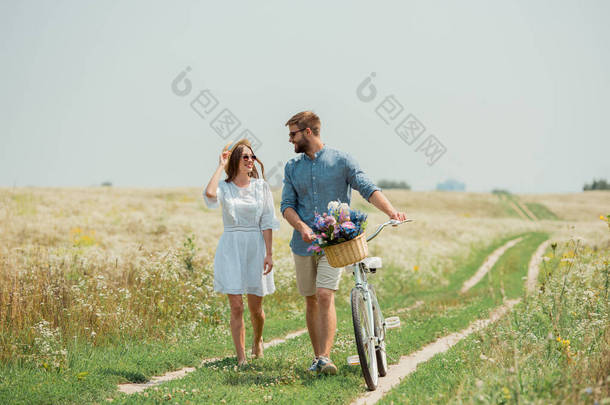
(131, 388)
(517, 210)
(527, 211)
(534, 267)
(407, 309)
(488, 264)
(408, 364)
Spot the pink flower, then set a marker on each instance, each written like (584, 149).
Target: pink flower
(348, 225)
(315, 248)
(330, 220)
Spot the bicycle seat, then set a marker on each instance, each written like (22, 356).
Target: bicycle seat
(372, 262)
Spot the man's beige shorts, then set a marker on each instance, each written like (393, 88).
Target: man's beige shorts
(315, 272)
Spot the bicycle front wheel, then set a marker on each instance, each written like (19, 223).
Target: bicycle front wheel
(382, 361)
(365, 338)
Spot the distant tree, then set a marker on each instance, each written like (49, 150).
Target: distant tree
(451, 185)
(394, 184)
(107, 184)
(500, 191)
(600, 184)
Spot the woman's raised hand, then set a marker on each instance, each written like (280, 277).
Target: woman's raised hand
(224, 156)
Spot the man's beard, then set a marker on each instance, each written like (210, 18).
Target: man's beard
(301, 147)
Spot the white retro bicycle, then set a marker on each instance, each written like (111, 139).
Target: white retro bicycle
(369, 324)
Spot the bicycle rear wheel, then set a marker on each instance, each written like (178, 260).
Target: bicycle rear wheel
(364, 339)
(382, 361)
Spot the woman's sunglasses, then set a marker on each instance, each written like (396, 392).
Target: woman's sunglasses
(248, 157)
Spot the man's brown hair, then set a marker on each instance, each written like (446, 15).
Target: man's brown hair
(306, 119)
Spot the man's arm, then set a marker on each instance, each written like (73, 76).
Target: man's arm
(288, 209)
(297, 223)
(379, 200)
(369, 191)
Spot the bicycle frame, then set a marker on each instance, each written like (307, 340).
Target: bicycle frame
(359, 270)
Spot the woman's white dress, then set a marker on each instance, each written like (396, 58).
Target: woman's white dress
(239, 258)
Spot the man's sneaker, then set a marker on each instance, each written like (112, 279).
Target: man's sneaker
(314, 365)
(326, 366)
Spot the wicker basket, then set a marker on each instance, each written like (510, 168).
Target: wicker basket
(346, 253)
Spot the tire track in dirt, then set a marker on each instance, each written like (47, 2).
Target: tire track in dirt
(407, 309)
(527, 211)
(408, 364)
(488, 264)
(534, 267)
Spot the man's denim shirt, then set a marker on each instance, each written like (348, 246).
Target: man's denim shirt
(309, 185)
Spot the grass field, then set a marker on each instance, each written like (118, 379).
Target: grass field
(106, 285)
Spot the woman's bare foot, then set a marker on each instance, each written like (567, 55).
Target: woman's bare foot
(242, 362)
(257, 349)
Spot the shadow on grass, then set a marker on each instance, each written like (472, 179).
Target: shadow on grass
(129, 375)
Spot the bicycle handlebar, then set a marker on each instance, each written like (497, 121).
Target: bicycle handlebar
(392, 222)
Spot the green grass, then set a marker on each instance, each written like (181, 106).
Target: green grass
(124, 361)
(509, 210)
(541, 211)
(526, 357)
(281, 374)
(281, 377)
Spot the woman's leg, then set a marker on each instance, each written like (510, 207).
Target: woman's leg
(238, 330)
(257, 316)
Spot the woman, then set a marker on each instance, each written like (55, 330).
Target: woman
(243, 259)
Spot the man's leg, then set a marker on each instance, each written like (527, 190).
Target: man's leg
(327, 282)
(311, 316)
(327, 320)
(305, 267)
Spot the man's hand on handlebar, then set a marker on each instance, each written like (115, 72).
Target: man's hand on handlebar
(398, 216)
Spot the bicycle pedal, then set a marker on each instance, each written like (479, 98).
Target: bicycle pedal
(353, 360)
(392, 322)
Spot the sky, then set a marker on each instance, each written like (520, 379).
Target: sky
(512, 95)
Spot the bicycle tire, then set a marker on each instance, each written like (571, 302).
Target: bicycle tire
(382, 360)
(366, 351)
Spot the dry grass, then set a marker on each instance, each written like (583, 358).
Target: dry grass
(102, 263)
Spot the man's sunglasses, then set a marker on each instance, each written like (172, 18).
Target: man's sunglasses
(248, 157)
(292, 134)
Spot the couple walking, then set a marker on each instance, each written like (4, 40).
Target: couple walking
(243, 262)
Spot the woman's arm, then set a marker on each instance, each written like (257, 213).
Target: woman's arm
(210, 190)
(268, 263)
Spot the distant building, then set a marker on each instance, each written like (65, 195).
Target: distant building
(451, 185)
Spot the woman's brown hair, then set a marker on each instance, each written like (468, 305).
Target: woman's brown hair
(232, 167)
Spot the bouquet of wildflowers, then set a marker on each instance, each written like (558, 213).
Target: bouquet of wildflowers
(339, 224)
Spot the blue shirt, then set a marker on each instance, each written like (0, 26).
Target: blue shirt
(310, 184)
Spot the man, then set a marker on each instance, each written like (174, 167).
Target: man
(311, 180)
